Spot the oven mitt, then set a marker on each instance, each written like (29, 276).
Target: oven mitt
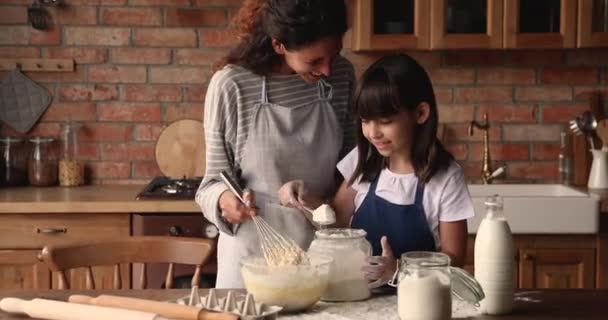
(22, 101)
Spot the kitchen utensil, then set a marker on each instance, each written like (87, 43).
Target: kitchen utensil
(22, 101)
(38, 16)
(180, 149)
(59, 310)
(585, 124)
(165, 309)
(598, 176)
(602, 132)
(277, 249)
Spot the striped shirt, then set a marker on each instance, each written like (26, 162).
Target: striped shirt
(231, 96)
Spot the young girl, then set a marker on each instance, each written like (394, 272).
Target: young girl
(401, 186)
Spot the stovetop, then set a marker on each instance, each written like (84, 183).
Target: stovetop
(167, 188)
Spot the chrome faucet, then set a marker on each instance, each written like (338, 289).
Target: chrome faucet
(487, 175)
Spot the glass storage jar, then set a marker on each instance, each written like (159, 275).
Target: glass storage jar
(13, 171)
(349, 248)
(71, 171)
(42, 165)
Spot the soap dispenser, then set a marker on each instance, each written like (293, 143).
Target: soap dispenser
(494, 257)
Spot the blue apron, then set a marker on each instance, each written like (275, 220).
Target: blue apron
(404, 225)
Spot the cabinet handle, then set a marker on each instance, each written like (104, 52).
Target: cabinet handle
(51, 230)
(528, 256)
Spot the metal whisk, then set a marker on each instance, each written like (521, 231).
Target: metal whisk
(277, 248)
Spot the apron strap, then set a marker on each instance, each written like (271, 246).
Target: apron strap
(264, 96)
(324, 90)
(419, 194)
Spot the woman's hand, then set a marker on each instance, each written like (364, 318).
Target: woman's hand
(380, 269)
(233, 210)
(292, 194)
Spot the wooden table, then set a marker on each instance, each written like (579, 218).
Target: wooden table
(554, 304)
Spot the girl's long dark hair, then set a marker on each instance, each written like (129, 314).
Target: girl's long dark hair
(295, 23)
(391, 85)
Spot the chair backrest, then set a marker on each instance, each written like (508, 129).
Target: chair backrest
(137, 249)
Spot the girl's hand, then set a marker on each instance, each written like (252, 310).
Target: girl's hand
(233, 210)
(380, 269)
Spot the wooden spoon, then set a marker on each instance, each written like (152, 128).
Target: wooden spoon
(602, 131)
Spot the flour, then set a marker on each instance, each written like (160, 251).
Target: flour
(324, 215)
(424, 297)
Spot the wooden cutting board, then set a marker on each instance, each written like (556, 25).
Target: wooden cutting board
(180, 149)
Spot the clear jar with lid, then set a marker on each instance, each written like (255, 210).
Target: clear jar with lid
(349, 248)
(71, 171)
(13, 171)
(42, 165)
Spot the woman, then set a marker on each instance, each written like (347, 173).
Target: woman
(276, 111)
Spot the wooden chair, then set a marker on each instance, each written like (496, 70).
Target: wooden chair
(139, 249)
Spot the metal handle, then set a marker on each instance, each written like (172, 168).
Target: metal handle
(528, 256)
(51, 230)
(176, 231)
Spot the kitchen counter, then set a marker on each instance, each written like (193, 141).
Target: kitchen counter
(96, 198)
(530, 305)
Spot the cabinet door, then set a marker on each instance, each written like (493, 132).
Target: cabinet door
(386, 25)
(466, 24)
(21, 269)
(557, 268)
(592, 23)
(540, 24)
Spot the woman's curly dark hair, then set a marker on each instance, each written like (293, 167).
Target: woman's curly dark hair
(295, 23)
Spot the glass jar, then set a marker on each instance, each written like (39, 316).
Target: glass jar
(42, 165)
(71, 171)
(13, 171)
(349, 248)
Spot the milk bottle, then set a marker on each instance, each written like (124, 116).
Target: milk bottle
(494, 258)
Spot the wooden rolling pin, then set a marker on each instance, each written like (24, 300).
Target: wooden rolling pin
(165, 309)
(59, 310)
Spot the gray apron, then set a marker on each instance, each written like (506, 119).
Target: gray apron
(283, 144)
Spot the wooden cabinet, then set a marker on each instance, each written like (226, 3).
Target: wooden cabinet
(557, 268)
(388, 25)
(592, 23)
(22, 236)
(466, 24)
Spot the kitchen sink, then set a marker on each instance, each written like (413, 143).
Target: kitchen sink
(539, 208)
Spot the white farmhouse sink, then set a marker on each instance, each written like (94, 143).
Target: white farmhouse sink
(539, 208)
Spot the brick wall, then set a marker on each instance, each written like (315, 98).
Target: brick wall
(142, 64)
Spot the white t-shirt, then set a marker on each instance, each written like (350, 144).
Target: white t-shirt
(446, 196)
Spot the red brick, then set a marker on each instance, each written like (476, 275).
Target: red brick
(193, 75)
(152, 93)
(98, 2)
(74, 15)
(110, 169)
(6, 2)
(460, 132)
(587, 57)
(508, 113)
(456, 113)
(562, 112)
(129, 111)
(545, 151)
(443, 95)
(165, 37)
(531, 132)
(117, 74)
(14, 35)
(97, 92)
(506, 76)
(96, 36)
(222, 3)
(179, 3)
(87, 151)
(106, 132)
(483, 94)
(184, 111)
(45, 37)
(127, 151)
(543, 94)
(141, 55)
(451, 76)
(58, 77)
(145, 169)
(13, 15)
(19, 52)
(131, 16)
(195, 94)
(198, 57)
(67, 111)
(44, 129)
(533, 170)
(583, 93)
(472, 170)
(365, 59)
(536, 58)
(474, 58)
(216, 38)
(196, 17)
(148, 132)
(458, 150)
(501, 151)
(80, 55)
(570, 76)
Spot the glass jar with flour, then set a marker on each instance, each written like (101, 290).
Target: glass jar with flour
(349, 248)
